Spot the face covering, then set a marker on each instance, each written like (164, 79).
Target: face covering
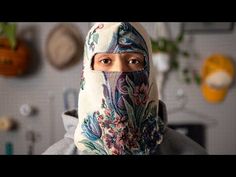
(118, 110)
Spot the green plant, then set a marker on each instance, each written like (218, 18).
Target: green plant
(172, 47)
(8, 30)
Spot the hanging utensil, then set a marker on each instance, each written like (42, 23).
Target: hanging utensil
(68, 103)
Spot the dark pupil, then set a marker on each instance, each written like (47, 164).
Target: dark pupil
(106, 60)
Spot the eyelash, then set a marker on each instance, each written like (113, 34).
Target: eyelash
(102, 60)
(134, 59)
(137, 61)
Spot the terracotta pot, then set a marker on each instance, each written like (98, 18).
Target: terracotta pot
(13, 62)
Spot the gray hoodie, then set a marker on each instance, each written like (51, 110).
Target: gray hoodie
(173, 143)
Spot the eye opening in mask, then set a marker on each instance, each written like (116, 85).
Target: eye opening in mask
(119, 62)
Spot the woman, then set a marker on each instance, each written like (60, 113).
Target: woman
(119, 110)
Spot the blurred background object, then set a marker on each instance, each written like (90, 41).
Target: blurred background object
(9, 148)
(37, 99)
(64, 45)
(167, 55)
(14, 52)
(207, 27)
(218, 74)
(7, 124)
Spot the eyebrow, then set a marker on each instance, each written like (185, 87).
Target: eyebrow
(100, 55)
(129, 54)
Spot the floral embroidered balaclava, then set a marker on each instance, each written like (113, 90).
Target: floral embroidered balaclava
(118, 110)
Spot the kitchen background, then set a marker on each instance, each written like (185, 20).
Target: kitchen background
(36, 100)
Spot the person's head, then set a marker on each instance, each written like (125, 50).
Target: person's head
(117, 47)
(118, 99)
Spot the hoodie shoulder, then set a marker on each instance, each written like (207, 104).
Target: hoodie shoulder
(66, 145)
(175, 143)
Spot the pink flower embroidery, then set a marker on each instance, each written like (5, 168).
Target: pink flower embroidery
(141, 94)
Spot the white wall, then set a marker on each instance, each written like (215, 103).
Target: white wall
(46, 80)
(220, 118)
(35, 90)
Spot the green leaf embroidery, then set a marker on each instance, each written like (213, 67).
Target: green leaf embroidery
(86, 52)
(130, 88)
(151, 110)
(95, 38)
(129, 82)
(112, 115)
(130, 112)
(94, 147)
(82, 84)
(139, 113)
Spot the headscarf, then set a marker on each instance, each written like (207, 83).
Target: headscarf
(118, 110)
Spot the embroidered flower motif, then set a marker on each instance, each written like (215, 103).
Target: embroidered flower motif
(152, 133)
(93, 37)
(91, 128)
(140, 94)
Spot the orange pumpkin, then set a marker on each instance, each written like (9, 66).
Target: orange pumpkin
(13, 62)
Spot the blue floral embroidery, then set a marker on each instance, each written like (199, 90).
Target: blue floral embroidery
(93, 37)
(91, 129)
(128, 129)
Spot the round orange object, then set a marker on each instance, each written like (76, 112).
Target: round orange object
(13, 62)
(214, 64)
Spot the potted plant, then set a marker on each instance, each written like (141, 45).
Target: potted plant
(14, 53)
(166, 53)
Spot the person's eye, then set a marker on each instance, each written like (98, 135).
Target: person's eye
(134, 61)
(105, 61)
